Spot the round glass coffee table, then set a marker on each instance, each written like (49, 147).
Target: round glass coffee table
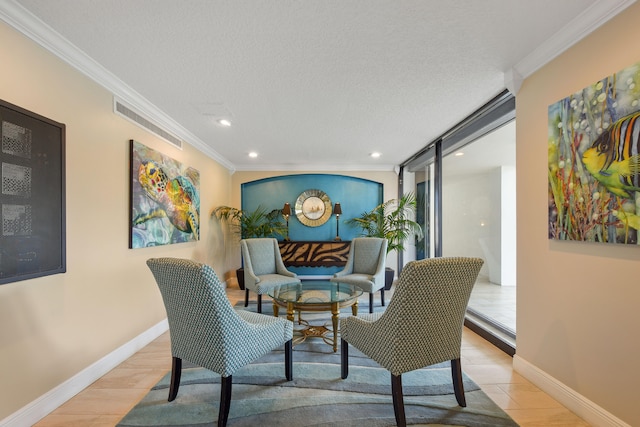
(319, 295)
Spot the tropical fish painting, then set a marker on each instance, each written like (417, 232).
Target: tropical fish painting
(594, 161)
(165, 199)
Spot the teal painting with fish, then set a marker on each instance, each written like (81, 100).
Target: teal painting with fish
(613, 158)
(594, 161)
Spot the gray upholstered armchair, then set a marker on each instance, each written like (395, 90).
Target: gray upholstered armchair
(263, 268)
(421, 327)
(365, 266)
(207, 331)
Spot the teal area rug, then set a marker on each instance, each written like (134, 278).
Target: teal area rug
(317, 396)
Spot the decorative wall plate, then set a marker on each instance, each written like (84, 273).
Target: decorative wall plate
(313, 208)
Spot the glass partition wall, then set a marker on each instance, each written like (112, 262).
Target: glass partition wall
(466, 205)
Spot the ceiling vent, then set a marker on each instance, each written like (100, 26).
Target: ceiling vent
(122, 110)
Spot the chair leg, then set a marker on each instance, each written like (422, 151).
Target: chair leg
(259, 303)
(382, 296)
(246, 297)
(176, 372)
(458, 386)
(370, 302)
(288, 360)
(344, 359)
(398, 401)
(225, 400)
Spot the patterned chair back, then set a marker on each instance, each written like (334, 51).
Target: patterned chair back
(201, 318)
(263, 253)
(426, 314)
(366, 252)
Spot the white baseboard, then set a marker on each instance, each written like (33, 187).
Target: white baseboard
(580, 405)
(48, 402)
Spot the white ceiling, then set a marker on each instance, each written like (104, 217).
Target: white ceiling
(313, 84)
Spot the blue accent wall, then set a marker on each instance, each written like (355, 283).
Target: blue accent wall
(356, 195)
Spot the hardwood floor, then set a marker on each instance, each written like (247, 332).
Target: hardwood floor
(106, 401)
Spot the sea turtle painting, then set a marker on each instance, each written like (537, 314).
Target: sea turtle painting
(165, 200)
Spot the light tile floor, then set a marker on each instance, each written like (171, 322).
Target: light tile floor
(495, 301)
(105, 402)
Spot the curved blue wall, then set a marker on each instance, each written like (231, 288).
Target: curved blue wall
(356, 195)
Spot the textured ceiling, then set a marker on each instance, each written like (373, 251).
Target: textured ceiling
(316, 84)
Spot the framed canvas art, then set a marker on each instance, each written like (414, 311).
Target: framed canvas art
(165, 199)
(594, 163)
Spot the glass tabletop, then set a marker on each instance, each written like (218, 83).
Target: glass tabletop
(315, 292)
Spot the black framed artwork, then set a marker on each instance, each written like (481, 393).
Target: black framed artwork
(32, 200)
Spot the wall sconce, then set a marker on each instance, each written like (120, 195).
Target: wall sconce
(338, 211)
(286, 212)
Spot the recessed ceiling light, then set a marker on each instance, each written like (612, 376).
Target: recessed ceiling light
(375, 154)
(459, 153)
(253, 154)
(224, 122)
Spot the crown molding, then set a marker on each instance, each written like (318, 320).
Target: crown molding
(316, 167)
(580, 27)
(25, 22)
(34, 28)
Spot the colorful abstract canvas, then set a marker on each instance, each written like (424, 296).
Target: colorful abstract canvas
(165, 199)
(594, 163)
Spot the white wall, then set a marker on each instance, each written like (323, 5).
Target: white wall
(577, 303)
(508, 224)
(478, 219)
(471, 219)
(479, 203)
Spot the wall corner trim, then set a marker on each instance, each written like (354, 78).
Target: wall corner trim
(580, 405)
(512, 81)
(48, 402)
(584, 24)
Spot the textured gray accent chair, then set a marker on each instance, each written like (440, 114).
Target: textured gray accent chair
(263, 268)
(421, 327)
(365, 266)
(205, 329)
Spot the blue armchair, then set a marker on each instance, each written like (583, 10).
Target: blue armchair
(263, 268)
(365, 266)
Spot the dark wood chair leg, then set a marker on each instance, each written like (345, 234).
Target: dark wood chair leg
(398, 400)
(458, 386)
(259, 303)
(371, 302)
(176, 372)
(246, 297)
(288, 360)
(382, 296)
(344, 359)
(225, 400)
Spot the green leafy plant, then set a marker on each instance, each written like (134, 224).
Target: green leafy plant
(250, 224)
(391, 220)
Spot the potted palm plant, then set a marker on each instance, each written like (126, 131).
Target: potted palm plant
(392, 220)
(251, 224)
